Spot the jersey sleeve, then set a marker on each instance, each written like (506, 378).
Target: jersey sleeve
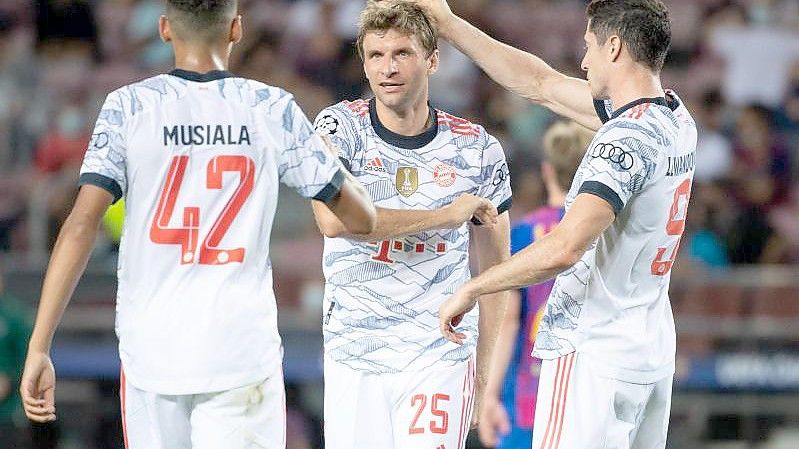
(105, 162)
(339, 127)
(619, 164)
(304, 163)
(496, 176)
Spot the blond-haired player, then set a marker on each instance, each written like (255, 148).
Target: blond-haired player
(391, 380)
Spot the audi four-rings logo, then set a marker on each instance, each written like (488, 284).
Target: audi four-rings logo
(614, 154)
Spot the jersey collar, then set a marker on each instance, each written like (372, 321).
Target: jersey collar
(213, 75)
(398, 140)
(671, 102)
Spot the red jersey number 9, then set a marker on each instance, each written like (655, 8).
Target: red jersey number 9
(675, 226)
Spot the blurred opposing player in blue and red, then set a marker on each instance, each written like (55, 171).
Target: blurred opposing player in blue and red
(509, 401)
(391, 381)
(198, 154)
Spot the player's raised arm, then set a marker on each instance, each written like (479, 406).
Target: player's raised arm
(520, 72)
(69, 258)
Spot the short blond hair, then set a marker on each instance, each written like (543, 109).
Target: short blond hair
(565, 143)
(403, 16)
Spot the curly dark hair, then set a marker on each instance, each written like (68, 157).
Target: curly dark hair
(203, 19)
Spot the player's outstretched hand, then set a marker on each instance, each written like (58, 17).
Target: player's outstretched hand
(38, 388)
(451, 313)
(493, 421)
(467, 206)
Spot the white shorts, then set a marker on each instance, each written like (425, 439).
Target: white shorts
(249, 417)
(430, 409)
(578, 409)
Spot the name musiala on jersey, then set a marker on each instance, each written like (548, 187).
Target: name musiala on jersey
(206, 135)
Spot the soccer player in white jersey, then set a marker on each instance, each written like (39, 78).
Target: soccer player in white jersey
(198, 154)
(391, 379)
(607, 338)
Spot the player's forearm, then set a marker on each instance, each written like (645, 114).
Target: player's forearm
(543, 260)
(492, 313)
(493, 248)
(67, 263)
(352, 210)
(391, 223)
(518, 71)
(503, 347)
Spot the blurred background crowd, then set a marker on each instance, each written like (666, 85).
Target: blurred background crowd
(735, 290)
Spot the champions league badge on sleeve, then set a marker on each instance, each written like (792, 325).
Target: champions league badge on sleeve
(326, 125)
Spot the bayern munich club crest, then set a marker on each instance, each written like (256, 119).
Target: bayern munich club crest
(444, 175)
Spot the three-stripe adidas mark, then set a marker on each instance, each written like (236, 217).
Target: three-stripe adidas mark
(375, 165)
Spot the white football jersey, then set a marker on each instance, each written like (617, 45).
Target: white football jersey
(613, 305)
(198, 158)
(382, 298)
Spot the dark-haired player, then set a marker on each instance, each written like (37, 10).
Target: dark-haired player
(198, 154)
(607, 338)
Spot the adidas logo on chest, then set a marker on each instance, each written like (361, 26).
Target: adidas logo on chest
(375, 165)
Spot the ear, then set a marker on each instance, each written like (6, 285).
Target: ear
(164, 30)
(236, 30)
(432, 62)
(614, 47)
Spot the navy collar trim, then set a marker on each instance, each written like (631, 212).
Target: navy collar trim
(213, 75)
(398, 140)
(671, 103)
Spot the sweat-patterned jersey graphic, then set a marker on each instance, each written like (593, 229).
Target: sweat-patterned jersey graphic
(613, 305)
(382, 298)
(198, 159)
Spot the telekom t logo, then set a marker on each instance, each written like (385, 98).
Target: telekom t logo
(386, 247)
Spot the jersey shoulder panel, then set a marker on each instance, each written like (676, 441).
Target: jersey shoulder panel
(345, 113)
(144, 95)
(457, 125)
(344, 123)
(359, 107)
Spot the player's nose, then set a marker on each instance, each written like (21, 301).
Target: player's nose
(390, 66)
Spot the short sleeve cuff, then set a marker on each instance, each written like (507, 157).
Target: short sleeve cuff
(502, 208)
(103, 182)
(346, 163)
(332, 189)
(604, 192)
(505, 205)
